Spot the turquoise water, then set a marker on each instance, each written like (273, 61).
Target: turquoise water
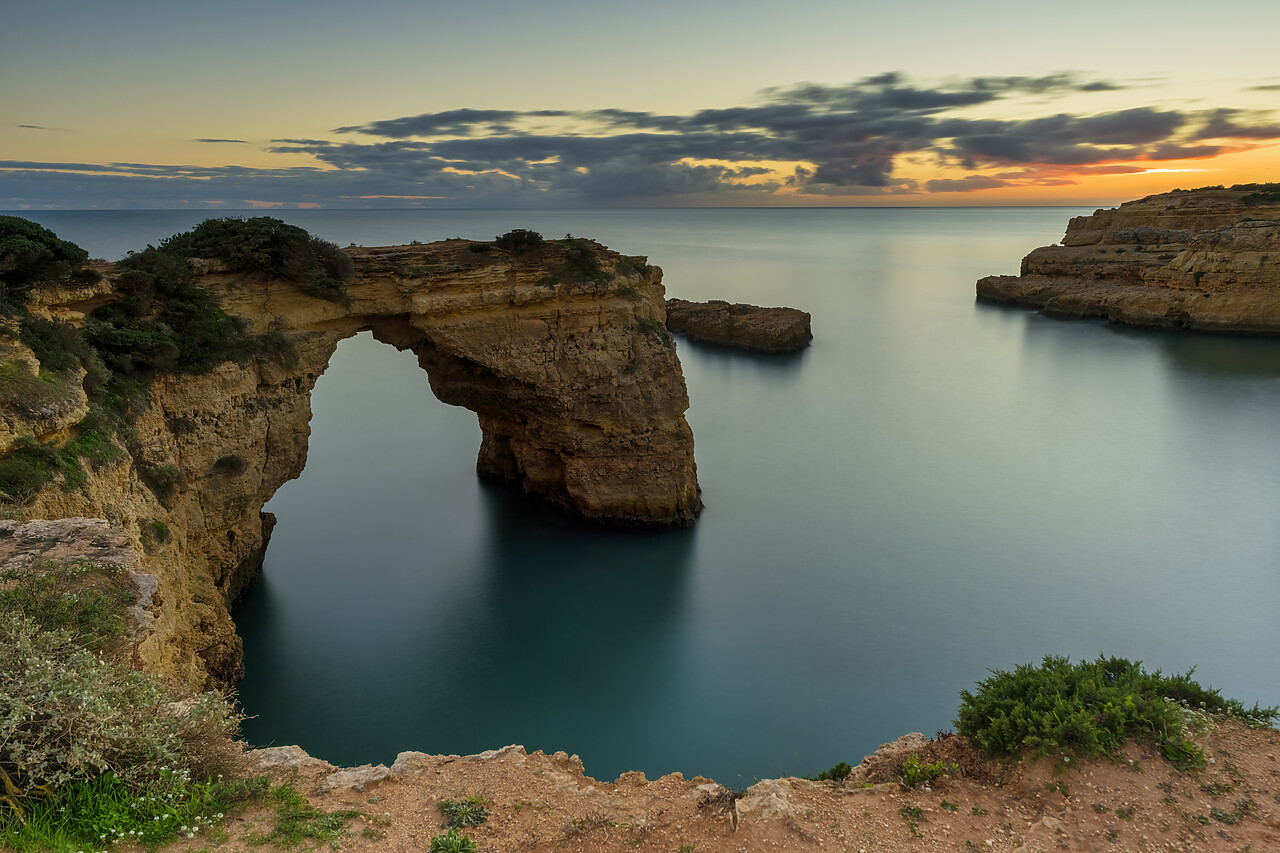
(934, 488)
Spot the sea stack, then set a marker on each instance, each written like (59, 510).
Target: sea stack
(773, 330)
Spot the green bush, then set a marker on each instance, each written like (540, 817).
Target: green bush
(838, 773)
(469, 811)
(164, 322)
(60, 347)
(1089, 708)
(914, 773)
(452, 842)
(582, 262)
(24, 471)
(31, 254)
(519, 241)
(271, 248)
(154, 531)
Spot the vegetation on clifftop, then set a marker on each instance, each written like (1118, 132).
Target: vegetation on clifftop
(272, 249)
(33, 256)
(1092, 708)
(159, 321)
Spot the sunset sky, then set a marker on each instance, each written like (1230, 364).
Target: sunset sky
(568, 103)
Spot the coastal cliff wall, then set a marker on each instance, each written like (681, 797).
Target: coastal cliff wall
(1205, 259)
(576, 385)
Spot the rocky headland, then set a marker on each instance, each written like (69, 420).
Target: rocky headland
(749, 327)
(1206, 259)
(559, 347)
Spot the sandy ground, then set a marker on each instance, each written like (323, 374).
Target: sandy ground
(546, 803)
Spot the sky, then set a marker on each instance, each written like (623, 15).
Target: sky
(567, 103)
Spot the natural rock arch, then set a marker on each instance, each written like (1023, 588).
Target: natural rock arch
(576, 384)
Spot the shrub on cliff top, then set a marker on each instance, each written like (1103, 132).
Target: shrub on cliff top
(31, 254)
(272, 248)
(164, 322)
(1089, 708)
(519, 241)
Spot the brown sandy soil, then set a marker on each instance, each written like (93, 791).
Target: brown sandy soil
(545, 803)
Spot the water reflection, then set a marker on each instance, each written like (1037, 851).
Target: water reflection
(781, 365)
(1200, 353)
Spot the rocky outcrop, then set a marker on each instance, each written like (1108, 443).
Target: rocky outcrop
(745, 326)
(1198, 259)
(576, 385)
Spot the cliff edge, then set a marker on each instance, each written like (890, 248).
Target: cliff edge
(1205, 259)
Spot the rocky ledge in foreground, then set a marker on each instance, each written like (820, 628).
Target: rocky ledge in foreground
(748, 327)
(541, 802)
(1204, 259)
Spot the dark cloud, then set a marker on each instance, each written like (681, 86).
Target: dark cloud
(449, 123)
(1224, 124)
(831, 140)
(1267, 87)
(33, 126)
(967, 184)
(239, 141)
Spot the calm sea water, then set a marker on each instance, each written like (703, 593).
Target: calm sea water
(935, 488)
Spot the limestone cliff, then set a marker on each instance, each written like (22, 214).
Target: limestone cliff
(577, 388)
(1200, 259)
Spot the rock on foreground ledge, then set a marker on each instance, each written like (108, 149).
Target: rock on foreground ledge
(1204, 259)
(745, 326)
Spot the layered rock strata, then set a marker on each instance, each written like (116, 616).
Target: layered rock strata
(577, 388)
(748, 327)
(1204, 259)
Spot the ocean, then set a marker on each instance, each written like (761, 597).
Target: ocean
(934, 489)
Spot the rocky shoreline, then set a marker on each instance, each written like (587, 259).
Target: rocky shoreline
(1205, 259)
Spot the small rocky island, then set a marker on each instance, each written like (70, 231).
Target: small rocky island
(749, 327)
(1206, 259)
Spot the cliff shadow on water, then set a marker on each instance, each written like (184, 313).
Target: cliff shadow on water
(1207, 354)
(781, 365)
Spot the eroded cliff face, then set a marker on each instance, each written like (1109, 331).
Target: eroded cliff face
(1201, 259)
(576, 385)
